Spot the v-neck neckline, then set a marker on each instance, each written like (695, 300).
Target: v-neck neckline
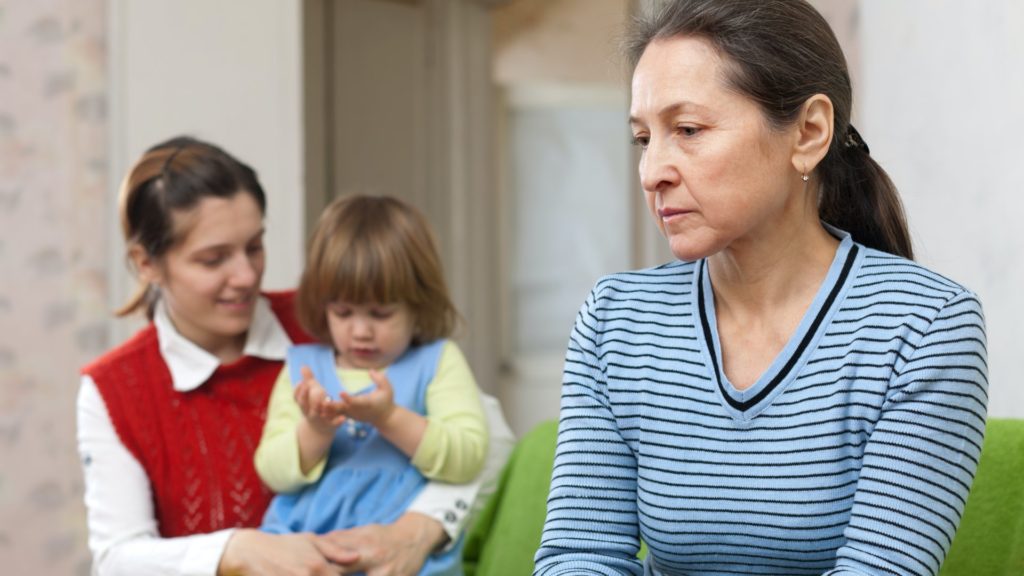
(744, 405)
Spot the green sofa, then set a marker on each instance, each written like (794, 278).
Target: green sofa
(990, 541)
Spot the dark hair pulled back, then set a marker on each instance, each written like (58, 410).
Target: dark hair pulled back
(173, 177)
(779, 53)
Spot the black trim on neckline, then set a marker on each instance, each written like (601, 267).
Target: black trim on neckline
(804, 343)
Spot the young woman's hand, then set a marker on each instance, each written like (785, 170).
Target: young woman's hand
(255, 553)
(397, 549)
(374, 407)
(322, 414)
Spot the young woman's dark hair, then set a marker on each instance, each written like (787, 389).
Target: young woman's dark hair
(779, 53)
(172, 177)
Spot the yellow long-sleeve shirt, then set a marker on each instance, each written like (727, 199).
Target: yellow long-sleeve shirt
(453, 447)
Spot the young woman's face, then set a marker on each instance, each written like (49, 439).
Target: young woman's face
(370, 335)
(713, 173)
(210, 279)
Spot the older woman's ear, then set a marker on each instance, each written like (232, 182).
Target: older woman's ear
(813, 133)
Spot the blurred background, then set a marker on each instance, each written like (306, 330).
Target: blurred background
(504, 120)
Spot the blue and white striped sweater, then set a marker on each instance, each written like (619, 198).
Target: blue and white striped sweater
(853, 454)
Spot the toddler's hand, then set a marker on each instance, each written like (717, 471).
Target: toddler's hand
(375, 406)
(323, 414)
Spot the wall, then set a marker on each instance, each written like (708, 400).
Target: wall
(85, 87)
(565, 183)
(940, 102)
(548, 41)
(228, 71)
(53, 262)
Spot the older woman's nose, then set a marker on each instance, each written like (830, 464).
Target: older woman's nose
(658, 168)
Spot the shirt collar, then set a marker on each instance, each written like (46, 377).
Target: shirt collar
(191, 366)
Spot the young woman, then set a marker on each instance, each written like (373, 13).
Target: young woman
(794, 395)
(168, 421)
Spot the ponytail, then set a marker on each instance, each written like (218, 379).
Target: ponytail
(145, 298)
(857, 196)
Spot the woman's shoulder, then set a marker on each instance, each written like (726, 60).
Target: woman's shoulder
(143, 341)
(883, 268)
(283, 305)
(670, 277)
(282, 302)
(899, 287)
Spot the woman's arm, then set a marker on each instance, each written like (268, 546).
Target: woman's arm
(592, 525)
(123, 533)
(921, 457)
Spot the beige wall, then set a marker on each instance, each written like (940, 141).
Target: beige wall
(941, 106)
(85, 86)
(237, 82)
(54, 230)
(559, 41)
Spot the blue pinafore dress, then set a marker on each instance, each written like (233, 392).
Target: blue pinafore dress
(366, 479)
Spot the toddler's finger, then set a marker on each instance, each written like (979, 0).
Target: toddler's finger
(302, 397)
(381, 380)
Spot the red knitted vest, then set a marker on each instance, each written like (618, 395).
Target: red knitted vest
(196, 447)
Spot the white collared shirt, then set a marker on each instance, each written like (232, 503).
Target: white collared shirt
(123, 535)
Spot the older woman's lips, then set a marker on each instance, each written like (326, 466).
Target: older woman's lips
(669, 214)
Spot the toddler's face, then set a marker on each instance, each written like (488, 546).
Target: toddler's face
(369, 335)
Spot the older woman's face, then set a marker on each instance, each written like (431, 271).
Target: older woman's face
(713, 173)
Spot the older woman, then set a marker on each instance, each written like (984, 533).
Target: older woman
(794, 395)
(169, 420)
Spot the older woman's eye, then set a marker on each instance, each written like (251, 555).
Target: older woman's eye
(689, 130)
(641, 141)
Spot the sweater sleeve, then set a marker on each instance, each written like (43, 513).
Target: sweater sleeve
(454, 444)
(922, 454)
(277, 457)
(591, 525)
